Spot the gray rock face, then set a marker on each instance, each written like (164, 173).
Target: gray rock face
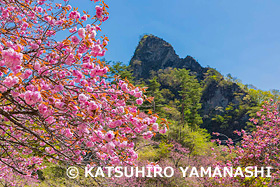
(154, 53)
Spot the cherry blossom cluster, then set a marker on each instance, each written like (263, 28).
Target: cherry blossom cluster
(56, 103)
(260, 147)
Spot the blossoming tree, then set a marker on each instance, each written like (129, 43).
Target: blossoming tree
(55, 101)
(259, 148)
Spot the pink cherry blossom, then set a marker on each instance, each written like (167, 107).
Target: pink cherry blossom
(109, 136)
(82, 32)
(99, 11)
(163, 131)
(10, 81)
(75, 39)
(139, 101)
(84, 17)
(74, 15)
(11, 57)
(148, 135)
(68, 133)
(155, 127)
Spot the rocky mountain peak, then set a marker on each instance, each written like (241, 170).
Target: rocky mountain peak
(154, 53)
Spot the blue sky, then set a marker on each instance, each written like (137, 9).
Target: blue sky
(238, 37)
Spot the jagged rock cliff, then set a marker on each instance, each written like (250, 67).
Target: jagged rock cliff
(153, 54)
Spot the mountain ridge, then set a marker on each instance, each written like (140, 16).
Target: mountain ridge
(163, 55)
(154, 53)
